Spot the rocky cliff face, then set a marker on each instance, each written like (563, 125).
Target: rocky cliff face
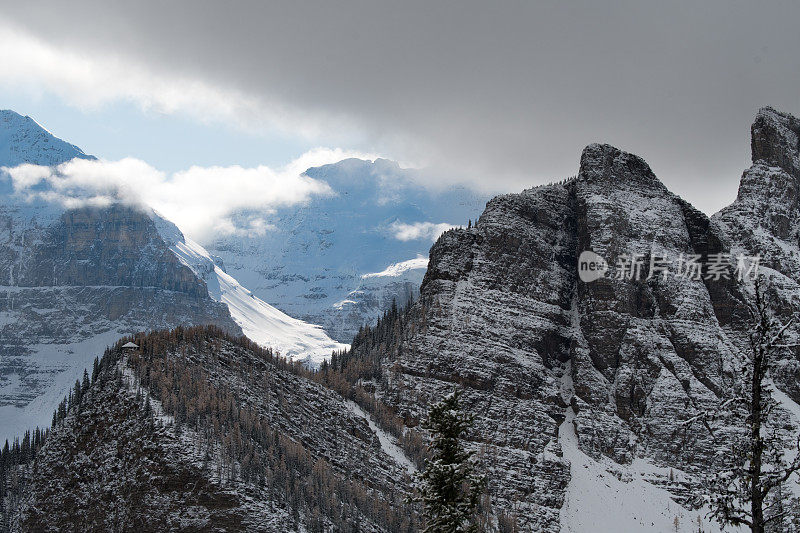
(643, 350)
(765, 220)
(616, 364)
(763, 217)
(73, 288)
(114, 246)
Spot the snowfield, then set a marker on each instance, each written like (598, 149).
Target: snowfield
(598, 500)
(262, 323)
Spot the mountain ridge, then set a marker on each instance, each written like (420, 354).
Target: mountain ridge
(23, 140)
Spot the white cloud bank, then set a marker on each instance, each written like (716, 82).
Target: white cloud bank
(200, 200)
(498, 97)
(419, 230)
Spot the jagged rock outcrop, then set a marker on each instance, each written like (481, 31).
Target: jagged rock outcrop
(644, 350)
(765, 221)
(502, 313)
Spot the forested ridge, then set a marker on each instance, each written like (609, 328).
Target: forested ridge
(253, 420)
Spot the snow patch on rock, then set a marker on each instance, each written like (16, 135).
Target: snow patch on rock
(397, 269)
(388, 443)
(598, 500)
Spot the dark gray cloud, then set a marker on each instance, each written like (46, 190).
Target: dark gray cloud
(500, 94)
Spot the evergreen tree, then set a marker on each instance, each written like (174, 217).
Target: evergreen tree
(76, 394)
(85, 382)
(449, 488)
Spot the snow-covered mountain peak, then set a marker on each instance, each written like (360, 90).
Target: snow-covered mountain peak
(311, 262)
(23, 140)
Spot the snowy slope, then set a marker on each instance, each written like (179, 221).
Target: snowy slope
(23, 140)
(398, 269)
(312, 261)
(260, 321)
(47, 380)
(388, 443)
(791, 410)
(611, 498)
(375, 292)
(605, 496)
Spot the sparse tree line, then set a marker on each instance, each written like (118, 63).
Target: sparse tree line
(239, 445)
(251, 449)
(21, 453)
(449, 489)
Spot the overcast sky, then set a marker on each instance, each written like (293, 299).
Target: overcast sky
(501, 96)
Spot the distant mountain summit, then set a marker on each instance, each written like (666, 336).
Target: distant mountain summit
(330, 261)
(23, 140)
